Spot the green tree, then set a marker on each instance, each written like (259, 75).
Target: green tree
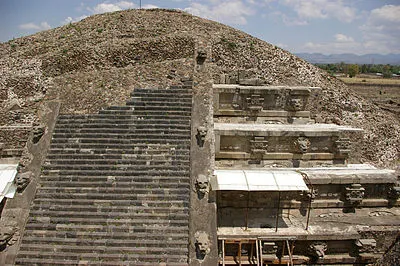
(353, 70)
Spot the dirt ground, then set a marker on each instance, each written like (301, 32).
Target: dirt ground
(385, 93)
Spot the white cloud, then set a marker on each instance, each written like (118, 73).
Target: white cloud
(109, 7)
(340, 44)
(149, 6)
(316, 9)
(32, 26)
(343, 38)
(382, 30)
(72, 20)
(233, 12)
(380, 34)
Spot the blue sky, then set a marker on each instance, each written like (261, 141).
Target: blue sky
(323, 26)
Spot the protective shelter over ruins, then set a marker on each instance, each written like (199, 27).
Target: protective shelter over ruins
(276, 170)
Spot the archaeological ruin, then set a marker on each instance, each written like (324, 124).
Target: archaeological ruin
(218, 165)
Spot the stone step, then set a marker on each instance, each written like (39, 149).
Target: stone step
(113, 154)
(134, 160)
(107, 209)
(148, 99)
(139, 124)
(111, 239)
(153, 190)
(118, 107)
(47, 194)
(155, 116)
(142, 165)
(173, 203)
(144, 172)
(90, 140)
(110, 221)
(103, 256)
(64, 118)
(84, 129)
(161, 217)
(139, 101)
(143, 155)
(98, 125)
(171, 92)
(139, 231)
(121, 146)
(163, 109)
(142, 129)
(101, 182)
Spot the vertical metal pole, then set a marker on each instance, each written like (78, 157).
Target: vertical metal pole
(309, 208)
(277, 212)
(257, 253)
(223, 252)
(140, 4)
(247, 209)
(240, 252)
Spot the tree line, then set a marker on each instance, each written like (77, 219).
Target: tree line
(352, 70)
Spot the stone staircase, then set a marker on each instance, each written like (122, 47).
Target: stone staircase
(115, 186)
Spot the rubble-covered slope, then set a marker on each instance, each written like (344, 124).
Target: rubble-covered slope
(100, 60)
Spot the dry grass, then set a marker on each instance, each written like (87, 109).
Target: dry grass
(379, 81)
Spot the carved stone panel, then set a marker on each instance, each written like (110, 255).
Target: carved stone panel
(269, 248)
(354, 194)
(201, 135)
(237, 100)
(202, 243)
(259, 145)
(255, 102)
(294, 103)
(302, 145)
(394, 192)
(317, 249)
(343, 146)
(202, 185)
(366, 245)
(8, 236)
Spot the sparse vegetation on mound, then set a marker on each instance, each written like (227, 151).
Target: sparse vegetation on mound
(98, 61)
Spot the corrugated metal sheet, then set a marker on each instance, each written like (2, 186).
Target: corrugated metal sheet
(7, 176)
(258, 180)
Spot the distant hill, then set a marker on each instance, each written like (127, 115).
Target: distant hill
(316, 58)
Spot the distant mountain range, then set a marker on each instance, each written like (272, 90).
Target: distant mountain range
(316, 58)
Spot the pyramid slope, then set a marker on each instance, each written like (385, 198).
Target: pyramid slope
(97, 62)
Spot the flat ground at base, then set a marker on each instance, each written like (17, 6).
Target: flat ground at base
(383, 92)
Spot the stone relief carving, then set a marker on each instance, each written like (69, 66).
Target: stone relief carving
(309, 195)
(202, 185)
(269, 248)
(259, 145)
(366, 245)
(317, 249)
(302, 144)
(394, 192)
(8, 236)
(23, 180)
(202, 243)
(343, 146)
(237, 99)
(255, 102)
(38, 132)
(201, 135)
(294, 103)
(201, 56)
(354, 194)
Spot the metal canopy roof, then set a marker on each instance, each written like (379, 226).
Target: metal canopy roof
(7, 185)
(259, 180)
